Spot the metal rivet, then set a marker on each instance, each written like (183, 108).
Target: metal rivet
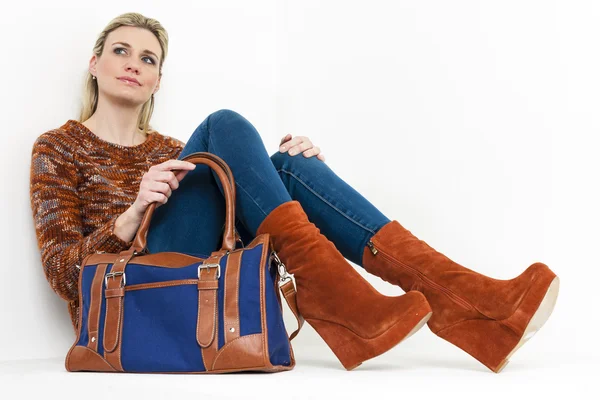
(122, 259)
(231, 329)
(93, 339)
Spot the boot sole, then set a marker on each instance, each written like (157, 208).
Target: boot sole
(489, 340)
(352, 350)
(537, 321)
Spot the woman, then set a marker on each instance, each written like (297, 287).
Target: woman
(92, 180)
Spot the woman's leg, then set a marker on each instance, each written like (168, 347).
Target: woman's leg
(488, 318)
(192, 220)
(259, 190)
(354, 319)
(342, 214)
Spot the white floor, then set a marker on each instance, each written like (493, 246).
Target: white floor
(422, 366)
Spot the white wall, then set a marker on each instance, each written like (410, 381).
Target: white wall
(473, 123)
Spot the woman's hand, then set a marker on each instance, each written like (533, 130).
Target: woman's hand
(300, 144)
(158, 183)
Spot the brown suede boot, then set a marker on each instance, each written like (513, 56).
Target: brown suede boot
(486, 317)
(355, 320)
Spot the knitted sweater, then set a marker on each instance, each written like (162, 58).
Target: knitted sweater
(79, 185)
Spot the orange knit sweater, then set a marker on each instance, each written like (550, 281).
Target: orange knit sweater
(79, 185)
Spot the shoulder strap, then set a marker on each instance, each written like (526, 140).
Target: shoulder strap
(289, 293)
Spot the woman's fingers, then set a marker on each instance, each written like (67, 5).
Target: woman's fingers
(180, 168)
(170, 165)
(162, 187)
(299, 148)
(300, 144)
(296, 145)
(313, 151)
(285, 146)
(285, 139)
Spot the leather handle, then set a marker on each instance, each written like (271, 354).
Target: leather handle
(225, 176)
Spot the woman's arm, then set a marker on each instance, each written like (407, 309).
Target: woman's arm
(56, 213)
(127, 225)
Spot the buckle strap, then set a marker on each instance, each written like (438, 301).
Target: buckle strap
(94, 309)
(208, 283)
(114, 292)
(231, 289)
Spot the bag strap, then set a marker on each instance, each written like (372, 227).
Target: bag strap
(286, 285)
(289, 293)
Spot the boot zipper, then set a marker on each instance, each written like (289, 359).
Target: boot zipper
(372, 248)
(420, 276)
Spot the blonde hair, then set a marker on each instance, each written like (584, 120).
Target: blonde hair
(90, 89)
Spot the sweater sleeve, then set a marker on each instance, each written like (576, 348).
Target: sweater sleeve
(55, 205)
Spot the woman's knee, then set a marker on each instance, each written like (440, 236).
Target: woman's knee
(222, 123)
(286, 161)
(225, 118)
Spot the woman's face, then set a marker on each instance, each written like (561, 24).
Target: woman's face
(131, 52)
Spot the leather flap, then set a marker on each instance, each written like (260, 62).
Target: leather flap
(207, 306)
(81, 358)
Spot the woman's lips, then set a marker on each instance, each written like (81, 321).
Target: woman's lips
(128, 82)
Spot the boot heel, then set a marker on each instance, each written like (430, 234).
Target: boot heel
(488, 341)
(352, 350)
(494, 342)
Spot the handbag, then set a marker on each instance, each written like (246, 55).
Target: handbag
(172, 312)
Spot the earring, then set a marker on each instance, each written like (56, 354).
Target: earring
(93, 76)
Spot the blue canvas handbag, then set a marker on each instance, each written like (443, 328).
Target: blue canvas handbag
(172, 312)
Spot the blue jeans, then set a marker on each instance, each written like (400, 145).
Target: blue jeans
(192, 220)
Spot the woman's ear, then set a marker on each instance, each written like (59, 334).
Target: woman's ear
(92, 66)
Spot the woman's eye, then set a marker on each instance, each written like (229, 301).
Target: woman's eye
(122, 48)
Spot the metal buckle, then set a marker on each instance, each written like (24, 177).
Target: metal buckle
(112, 275)
(283, 274)
(143, 252)
(210, 265)
(239, 239)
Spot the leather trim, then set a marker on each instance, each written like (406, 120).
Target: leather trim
(209, 353)
(243, 352)
(207, 303)
(154, 285)
(116, 292)
(163, 259)
(207, 307)
(82, 358)
(95, 305)
(114, 312)
(263, 302)
(113, 323)
(168, 259)
(231, 316)
(289, 292)
(71, 364)
(207, 285)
